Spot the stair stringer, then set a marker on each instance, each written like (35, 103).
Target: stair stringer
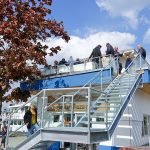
(124, 106)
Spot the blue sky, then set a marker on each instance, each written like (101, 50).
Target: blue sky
(123, 23)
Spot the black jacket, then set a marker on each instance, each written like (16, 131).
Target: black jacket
(96, 52)
(143, 52)
(28, 117)
(128, 61)
(110, 50)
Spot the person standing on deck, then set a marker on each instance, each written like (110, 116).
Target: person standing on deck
(110, 50)
(96, 56)
(142, 51)
(117, 56)
(128, 62)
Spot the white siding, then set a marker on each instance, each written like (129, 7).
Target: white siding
(129, 129)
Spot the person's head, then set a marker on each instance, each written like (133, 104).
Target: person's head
(107, 44)
(139, 46)
(63, 60)
(32, 107)
(55, 62)
(99, 46)
(128, 57)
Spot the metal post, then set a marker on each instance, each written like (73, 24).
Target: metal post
(72, 112)
(120, 90)
(7, 136)
(101, 80)
(63, 111)
(117, 65)
(89, 103)
(106, 111)
(43, 103)
(84, 65)
(110, 66)
(140, 62)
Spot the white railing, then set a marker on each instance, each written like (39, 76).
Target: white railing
(78, 66)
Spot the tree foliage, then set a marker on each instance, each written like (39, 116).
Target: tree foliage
(23, 26)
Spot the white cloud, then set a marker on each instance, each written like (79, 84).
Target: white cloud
(128, 9)
(146, 38)
(82, 47)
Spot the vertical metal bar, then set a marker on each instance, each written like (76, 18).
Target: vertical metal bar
(43, 103)
(110, 67)
(140, 62)
(84, 65)
(101, 80)
(63, 111)
(7, 135)
(120, 90)
(106, 110)
(72, 111)
(89, 103)
(117, 65)
(110, 73)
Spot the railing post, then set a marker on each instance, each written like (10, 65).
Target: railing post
(140, 62)
(117, 66)
(43, 103)
(89, 104)
(7, 135)
(63, 111)
(72, 111)
(84, 65)
(106, 110)
(120, 90)
(101, 80)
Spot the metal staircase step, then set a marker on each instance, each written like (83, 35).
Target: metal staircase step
(105, 107)
(122, 87)
(109, 98)
(118, 90)
(109, 115)
(100, 122)
(116, 93)
(110, 102)
(102, 111)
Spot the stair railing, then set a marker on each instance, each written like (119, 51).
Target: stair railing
(137, 76)
(117, 82)
(124, 103)
(99, 74)
(16, 111)
(101, 86)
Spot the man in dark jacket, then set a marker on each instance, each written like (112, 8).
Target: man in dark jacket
(96, 55)
(110, 50)
(30, 119)
(117, 56)
(63, 62)
(142, 51)
(128, 62)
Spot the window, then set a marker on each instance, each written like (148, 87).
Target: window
(19, 122)
(11, 123)
(145, 125)
(99, 119)
(15, 122)
(56, 118)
